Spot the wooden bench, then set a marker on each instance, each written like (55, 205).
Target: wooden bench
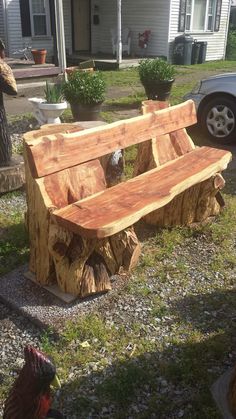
(81, 232)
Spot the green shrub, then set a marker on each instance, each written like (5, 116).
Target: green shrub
(231, 45)
(155, 70)
(84, 88)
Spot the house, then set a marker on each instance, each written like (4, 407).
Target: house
(87, 24)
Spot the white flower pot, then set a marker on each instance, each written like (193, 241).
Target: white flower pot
(47, 113)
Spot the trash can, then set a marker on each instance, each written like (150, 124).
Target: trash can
(182, 53)
(202, 52)
(195, 52)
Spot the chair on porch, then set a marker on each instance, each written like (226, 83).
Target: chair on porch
(126, 40)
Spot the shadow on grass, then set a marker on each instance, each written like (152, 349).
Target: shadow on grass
(169, 383)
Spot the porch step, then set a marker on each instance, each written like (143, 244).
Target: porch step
(31, 72)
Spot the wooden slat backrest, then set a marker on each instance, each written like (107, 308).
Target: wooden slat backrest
(52, 153)
(172, 145)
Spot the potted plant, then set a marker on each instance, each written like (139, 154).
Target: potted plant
(157, 77)
(49, 109)
(39, 55)
(85, 91)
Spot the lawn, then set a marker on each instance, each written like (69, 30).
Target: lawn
(153, 347)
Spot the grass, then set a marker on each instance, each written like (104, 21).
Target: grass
(13, 239)
(171, 359)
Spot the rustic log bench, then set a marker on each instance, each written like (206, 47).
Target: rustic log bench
(81, 232)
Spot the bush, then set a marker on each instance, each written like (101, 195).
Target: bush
(151, 70)
(231, 45)
(84, 88)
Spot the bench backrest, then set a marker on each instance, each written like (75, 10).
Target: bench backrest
(51, 153)
(168, 146)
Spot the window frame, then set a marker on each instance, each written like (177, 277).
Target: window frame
(46, 14)
(206, 18)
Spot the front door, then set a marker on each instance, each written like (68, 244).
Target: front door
(81, 24)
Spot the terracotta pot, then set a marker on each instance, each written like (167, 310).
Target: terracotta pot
(39, 55)
(83, 112)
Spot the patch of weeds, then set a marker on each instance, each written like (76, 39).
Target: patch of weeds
(26, 117)
(225, 225)
(179, 90)
(160, 309)
(168, 239)
(89, 327)
(133, 100)
(128, 77)
(130, 154)
(147, 259)
(14, 249)
(137, 284)
(122, 386)
(47, 340)
(67, 116)
(108, 116)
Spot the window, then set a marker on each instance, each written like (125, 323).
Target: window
(39, 16)
(35, 17)
(199, 15)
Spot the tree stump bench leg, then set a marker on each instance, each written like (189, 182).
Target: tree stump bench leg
(84, 266)
(194, 205)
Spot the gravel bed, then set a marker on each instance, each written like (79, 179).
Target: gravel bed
(202, 288)
(17, 129)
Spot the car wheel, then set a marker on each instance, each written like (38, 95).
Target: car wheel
(218, 120)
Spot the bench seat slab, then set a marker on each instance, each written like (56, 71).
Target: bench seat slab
(114, 209)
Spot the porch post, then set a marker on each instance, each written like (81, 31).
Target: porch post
(119, 38)
(60, 32)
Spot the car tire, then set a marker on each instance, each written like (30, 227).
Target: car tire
(218, 120)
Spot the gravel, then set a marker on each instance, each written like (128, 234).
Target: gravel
(119, 307)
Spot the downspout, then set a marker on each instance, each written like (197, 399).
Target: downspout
(227, 29)
(60, 32)
(119, 38)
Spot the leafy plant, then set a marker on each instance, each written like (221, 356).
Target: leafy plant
(53, 93)
(151, 70)
(85, 88)
(231, 45)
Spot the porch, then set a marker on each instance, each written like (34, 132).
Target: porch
(103, 61)
(25, 70)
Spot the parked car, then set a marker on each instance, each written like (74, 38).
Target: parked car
(215, 100)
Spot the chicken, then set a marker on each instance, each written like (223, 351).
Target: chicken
(30, 396)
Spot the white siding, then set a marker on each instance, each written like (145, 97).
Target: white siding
(2, 23)
(141, 16)
(67, 25)
(216, 41)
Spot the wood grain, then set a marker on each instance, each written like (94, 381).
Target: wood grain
(114, 209)
(52, 153)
